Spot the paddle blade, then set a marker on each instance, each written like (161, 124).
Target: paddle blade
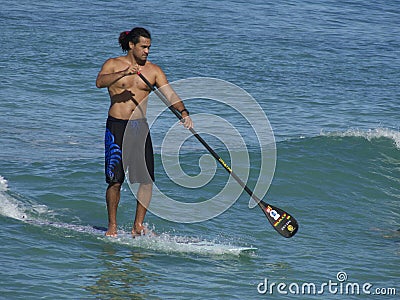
(283, 222)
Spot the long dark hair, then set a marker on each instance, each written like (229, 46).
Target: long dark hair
(132, 36)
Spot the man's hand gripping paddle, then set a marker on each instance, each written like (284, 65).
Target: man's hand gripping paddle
(284, 223)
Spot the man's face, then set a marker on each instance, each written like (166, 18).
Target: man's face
(141, 50)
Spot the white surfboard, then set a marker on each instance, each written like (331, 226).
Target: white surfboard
(175, 244)
(164, 242)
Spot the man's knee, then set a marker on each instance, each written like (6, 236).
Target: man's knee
(146, 186)
(115, 186)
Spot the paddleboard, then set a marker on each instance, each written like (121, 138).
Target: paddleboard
(164, 242)
(178, 244)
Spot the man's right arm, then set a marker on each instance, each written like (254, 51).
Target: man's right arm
(105, 80)
(107, 75)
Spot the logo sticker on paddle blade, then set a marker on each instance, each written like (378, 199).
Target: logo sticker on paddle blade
(284, 223)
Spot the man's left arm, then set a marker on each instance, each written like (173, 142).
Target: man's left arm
(173, 98)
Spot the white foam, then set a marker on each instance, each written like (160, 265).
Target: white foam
(3, 184)
(178, 244)
(369, 134)
(9, 206)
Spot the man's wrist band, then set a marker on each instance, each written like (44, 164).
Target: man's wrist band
(184, 110)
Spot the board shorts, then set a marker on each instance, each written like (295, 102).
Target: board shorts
(128, 150)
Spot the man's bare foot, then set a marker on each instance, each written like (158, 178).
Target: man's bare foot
(112, 230)
(139, 230)
(136, 234)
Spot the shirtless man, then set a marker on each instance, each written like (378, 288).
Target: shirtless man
(128, 91)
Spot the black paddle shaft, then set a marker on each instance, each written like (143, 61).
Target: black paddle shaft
(284, 223)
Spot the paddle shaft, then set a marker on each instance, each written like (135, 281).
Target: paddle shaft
(264, 206)
(201, 140)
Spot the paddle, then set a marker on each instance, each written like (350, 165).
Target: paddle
(283, 222)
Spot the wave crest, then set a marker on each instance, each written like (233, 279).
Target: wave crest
(369, 134)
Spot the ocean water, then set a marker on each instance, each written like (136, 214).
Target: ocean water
(326, 74)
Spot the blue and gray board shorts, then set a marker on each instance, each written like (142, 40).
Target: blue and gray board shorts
(128, 150)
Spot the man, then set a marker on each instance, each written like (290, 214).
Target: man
(128, 95)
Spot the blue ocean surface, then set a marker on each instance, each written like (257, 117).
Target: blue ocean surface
(326, 75)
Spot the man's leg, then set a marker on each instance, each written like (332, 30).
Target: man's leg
(144, 196)
(112, 198)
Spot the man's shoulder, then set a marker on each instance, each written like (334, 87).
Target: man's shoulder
(116, 60)
(114, 64)
(155, 74)
(152, 65)
(153, 68)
